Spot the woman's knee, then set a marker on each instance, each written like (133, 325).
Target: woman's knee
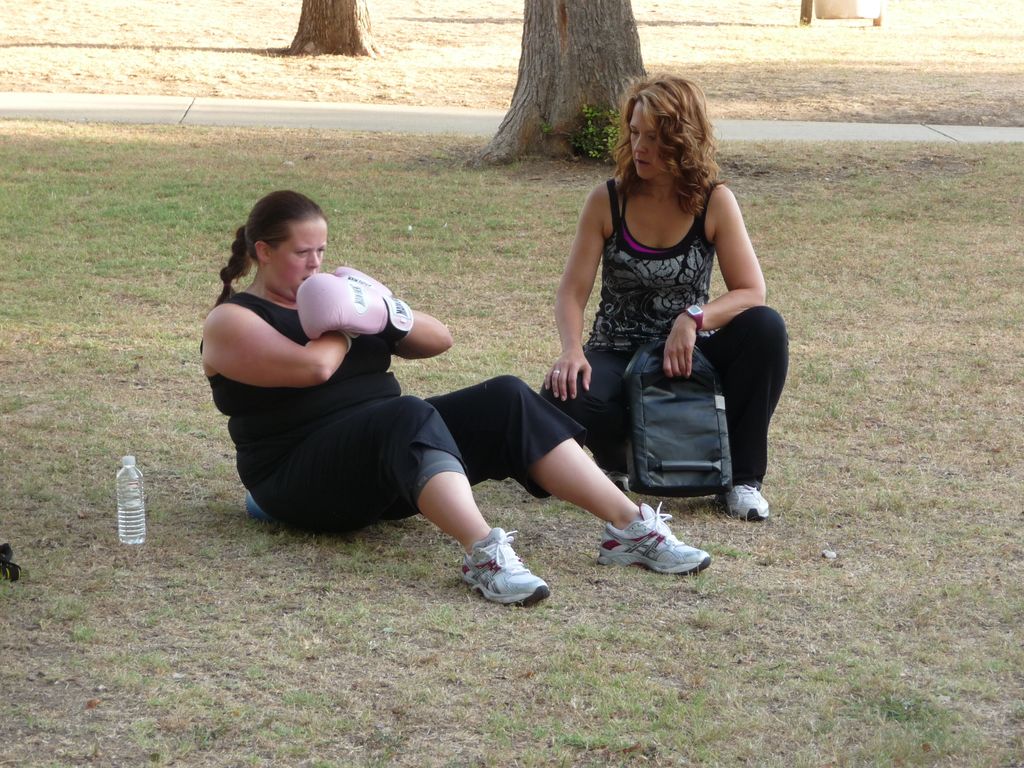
(764, 325)
(762, 317)
(410, 409)
(507, 386)
(411, 418)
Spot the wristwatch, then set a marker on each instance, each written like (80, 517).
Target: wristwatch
(697, 314)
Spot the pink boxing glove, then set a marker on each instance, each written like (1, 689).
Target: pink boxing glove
(329, 303)
(364, 278)
(400, 316)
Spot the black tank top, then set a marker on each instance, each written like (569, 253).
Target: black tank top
(644, 290)
(265, 422)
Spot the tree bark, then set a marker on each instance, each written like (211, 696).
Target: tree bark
(575, 53)
(339, 27)
(806, 12)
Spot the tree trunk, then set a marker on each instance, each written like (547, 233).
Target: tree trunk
(340, 27)
(806, 11)
(575, 53)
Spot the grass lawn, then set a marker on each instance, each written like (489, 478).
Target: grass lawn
(222, 642)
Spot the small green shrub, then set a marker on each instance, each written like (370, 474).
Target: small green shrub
(597, 134)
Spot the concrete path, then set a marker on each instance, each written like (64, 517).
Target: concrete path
(185, 110)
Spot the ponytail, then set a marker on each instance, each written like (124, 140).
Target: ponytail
(237, 267)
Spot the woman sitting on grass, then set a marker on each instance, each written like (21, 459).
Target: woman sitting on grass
(325, 440)
(655, 230)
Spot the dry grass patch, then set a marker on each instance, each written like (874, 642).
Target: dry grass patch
(954, 62)
(222, 642)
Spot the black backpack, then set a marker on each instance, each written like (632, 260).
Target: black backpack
(677, 439)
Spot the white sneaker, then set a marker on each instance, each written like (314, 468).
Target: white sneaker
(495, 569)
(648, 542)
(746, 503)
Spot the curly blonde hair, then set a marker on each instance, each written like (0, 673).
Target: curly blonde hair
(685, 137)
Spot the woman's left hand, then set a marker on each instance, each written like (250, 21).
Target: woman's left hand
(568, 369)
(678, 358)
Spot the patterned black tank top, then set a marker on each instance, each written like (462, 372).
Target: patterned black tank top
(643, 291)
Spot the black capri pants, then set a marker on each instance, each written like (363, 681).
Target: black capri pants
(751, 356)
(363, 466)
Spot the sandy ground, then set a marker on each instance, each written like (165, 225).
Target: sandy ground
(953, 62)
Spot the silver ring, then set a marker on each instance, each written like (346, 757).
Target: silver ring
(558, 370)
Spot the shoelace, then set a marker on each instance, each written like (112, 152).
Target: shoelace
(506, 557)
(661, 526)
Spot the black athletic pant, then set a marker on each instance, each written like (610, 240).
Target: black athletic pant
(363, 466)
(751, 356)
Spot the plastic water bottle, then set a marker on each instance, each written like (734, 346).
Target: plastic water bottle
(131, 503)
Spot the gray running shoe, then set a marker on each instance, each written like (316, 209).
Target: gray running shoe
(496, 570)
(648, 543)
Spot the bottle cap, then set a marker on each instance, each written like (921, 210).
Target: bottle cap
(127, 461)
